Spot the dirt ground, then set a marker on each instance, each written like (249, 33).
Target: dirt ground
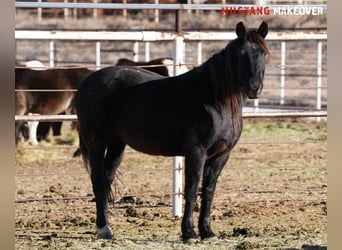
(271, 195)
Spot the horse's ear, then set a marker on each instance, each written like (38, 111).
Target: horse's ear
(240, 29)
(263, 29)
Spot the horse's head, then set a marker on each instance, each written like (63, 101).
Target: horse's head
(250, 58)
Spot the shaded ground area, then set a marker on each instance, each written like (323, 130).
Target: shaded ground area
(271, 195)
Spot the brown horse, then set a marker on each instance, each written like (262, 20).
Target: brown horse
(161, 66)
(157, 65)
(30, 96)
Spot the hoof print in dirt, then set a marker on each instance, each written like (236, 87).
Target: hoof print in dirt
(131, 212)
(241, 232)
(191, 241)
(244, 245)
(128, 199)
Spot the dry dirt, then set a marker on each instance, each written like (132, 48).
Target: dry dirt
(271, 195)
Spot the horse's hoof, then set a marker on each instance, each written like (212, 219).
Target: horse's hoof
(191, 241)
(104, 233)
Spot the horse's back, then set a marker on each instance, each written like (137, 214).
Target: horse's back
(108, 81)
(43, 102)
(57, 78)
(95, 92)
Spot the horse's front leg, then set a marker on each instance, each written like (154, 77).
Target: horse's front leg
(193, 167)
(101, 191)
(212, 170)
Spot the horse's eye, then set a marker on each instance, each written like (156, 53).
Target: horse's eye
(262, 51)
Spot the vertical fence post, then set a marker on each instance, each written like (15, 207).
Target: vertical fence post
(282, 72)
(136, 52)
(51, 54)
(178, 58)
(98, 55)
(319, 77)
(256, 105)
(74, 10)
(95, 10)
(177, 197)
(124, 11)
(39, 12)
(66, 11)
(177, 186)
(199, 52)
(156, 12)
(147, 51)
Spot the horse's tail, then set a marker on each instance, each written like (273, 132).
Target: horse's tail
(84, 152)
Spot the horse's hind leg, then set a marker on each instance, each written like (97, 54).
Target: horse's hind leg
(102, 181)
(101, 186)
(212, 170)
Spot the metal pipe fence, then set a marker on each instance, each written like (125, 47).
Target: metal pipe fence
(180, 41)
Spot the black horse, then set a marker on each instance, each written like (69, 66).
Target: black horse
(197, 115)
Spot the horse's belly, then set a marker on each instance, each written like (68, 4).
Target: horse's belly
(151, 136)
(153, 143)
(50, 103)
(152, 150)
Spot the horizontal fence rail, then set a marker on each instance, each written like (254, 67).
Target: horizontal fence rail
(133, 6)
(275, 114)
(149, 36)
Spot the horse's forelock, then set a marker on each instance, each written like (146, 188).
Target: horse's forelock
(259, 40)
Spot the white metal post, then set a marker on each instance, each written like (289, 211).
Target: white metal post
(156, 12)
(124, 11)
(136, 52)
(95, 10)
(178, 56)
(319, 77)
(39, 11)
(147, 51)
(98, 55)
(199, 52)
(256, 105)
(282, 72)
(51, 54)
(177, 187)
(66, 11)
(74, 10)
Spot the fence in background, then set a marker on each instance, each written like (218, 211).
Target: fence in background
(180, 41)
